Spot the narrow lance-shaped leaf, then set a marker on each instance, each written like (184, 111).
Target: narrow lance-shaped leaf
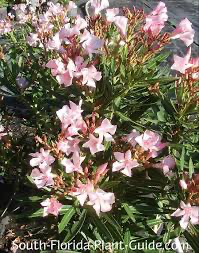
(66, 219)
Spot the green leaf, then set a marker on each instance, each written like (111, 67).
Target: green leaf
(65, 220)
(191, 168)
(129, 212)
(76, 227)
(127, 240)
(192, 240)
(161, 115)
(103, 229)
(116, 228)
(168, 106)
(182, 159)
(122, 70)
(125, 118)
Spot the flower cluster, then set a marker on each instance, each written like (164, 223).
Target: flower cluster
(5, 26)
(79, 143)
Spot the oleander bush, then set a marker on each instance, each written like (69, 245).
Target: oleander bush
(111, 150)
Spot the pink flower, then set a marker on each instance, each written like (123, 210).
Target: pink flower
(90, 75)
(182, 64)
(156, 19)
(91, 43)
(130, 138)
(71, 5)
(68, 115)
(51, 206)
(42, 177)
(72, 8)
(150, 141)
(111, 13)
(94, 144)
(56, 66)
(79, 65)
(65, 78)
(99, 5)
(69, 145)
(2, 134)
(42, 159)
(106, 130)
(189, 213)
(101, 171)
(5, 26)
(80, 24)
(55, 43)
(183, 184)
(67, 32)
(71, 118)
(33, 39)
(101, 201)
(124, 163)
(81, 193)
(74, 166)
(120, 21)
(166, 164)
(184, 32)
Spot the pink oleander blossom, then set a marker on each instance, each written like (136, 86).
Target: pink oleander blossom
(167, 164)
(2, 133)
(74, 165)
(79, 65)
(80, 24)
(101, 201)
(33, 39)
(42, 159)
(189, 214)
(69, 145)
(106, 130)
(90, 76)
(181, 64)
(94, 144)
(66, 32)
(43, 177)
(56, 66)
(119, 21)
(65, 78)
(183, 184)
(101, 171)
(91, 43)
(124, 163)
(130, 138)
(99, 5)
(81, 191)
(150, 141)
(71, 118)
(54, 43)
(184, 32)
(72, 9)
(156, 19)
(111, 13)
(51, 206)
